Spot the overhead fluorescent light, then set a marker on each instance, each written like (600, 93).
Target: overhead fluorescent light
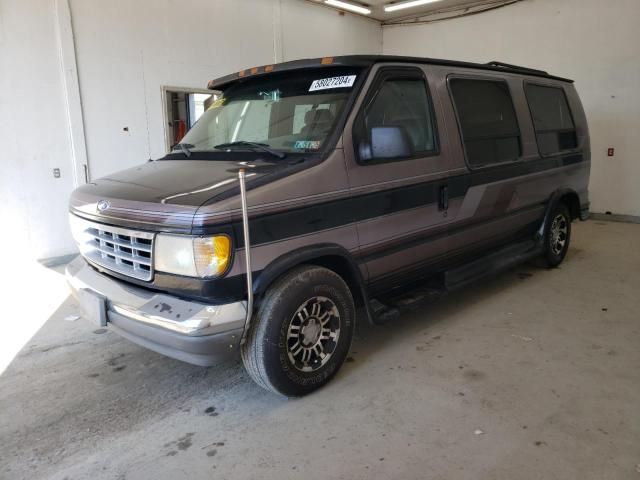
(349, 6)
(392, 7)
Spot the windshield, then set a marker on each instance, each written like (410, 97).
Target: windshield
(289, 112)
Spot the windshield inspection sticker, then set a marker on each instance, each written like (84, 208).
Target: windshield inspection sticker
(333, 82)
(307, 145)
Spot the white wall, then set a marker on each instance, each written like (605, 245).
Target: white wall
(595, 42)
(126, 50)
(34, 138)
(326, 33)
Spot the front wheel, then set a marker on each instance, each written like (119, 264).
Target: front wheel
(302, 332)
(557, 236)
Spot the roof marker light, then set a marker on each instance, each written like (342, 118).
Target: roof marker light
(349, 6)
(392, 7)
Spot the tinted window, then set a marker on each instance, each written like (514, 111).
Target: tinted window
(552, 119)
(487, 119)
(401, 104)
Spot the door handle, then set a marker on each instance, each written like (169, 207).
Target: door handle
(443, 200)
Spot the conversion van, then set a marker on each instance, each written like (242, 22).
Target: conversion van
(313, 189)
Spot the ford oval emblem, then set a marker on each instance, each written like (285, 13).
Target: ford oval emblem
(102, 205)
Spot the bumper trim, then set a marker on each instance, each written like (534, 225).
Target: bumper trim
(189, 331)
(159, 310)
(584, 212)
(204, 351)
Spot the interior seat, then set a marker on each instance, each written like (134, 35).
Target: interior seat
(317, 123)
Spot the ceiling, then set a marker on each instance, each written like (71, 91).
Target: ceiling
(436, 8)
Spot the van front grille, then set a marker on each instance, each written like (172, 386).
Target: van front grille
(124, 251)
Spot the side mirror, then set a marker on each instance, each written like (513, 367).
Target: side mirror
(387, 142)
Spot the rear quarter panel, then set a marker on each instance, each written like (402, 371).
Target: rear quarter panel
(501, 199)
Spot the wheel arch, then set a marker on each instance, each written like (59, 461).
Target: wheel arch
(570, 198)
(331, 256)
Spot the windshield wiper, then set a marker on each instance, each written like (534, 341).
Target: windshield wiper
(260, 146)
(185, 147)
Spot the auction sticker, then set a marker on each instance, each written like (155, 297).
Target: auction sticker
(333, 82)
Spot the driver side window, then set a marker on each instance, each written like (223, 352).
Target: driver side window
(398, 122)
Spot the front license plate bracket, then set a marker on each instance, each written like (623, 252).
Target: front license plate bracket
(95, 306)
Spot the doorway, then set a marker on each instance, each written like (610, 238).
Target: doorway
(182, 109)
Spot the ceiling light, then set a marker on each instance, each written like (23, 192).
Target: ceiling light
(348, 6)
(392, 7)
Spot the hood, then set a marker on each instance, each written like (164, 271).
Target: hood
(175, 182)
(164, 192)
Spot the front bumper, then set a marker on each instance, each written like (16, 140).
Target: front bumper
(189, 331)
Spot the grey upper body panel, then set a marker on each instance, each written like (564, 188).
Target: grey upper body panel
(487, 206)
(375, 212)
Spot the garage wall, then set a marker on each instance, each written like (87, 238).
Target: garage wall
(125, 51)
(34, 138)
(594, 42)
(326, 32)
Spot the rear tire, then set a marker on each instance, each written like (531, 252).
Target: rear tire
(302, 332)
(557, 236)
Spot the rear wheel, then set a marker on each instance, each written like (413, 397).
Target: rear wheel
(558, 235)
(301, 333)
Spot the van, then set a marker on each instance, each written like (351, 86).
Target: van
(314, 189)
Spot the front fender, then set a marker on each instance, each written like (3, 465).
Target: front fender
(332, 256)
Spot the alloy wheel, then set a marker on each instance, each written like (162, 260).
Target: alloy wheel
(313, 332)
(559, 232)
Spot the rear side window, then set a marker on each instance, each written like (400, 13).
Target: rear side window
(399, 114)
(487, 118)
(552, 120)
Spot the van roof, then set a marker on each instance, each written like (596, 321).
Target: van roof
(368, 60)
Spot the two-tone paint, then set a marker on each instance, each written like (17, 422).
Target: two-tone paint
(378, 225)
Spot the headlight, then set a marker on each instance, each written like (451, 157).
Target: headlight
(192, 256)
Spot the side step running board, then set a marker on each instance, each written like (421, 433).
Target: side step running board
(389, 308)
(491, 264)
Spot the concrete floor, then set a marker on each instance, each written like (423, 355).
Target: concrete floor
(530, 375)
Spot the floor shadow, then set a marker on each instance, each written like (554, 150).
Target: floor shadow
(423, 317)
(76, 385)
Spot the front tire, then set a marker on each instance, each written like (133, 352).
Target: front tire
(557, 236)
(302, 332)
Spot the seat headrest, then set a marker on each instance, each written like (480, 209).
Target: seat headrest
(318, 116)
